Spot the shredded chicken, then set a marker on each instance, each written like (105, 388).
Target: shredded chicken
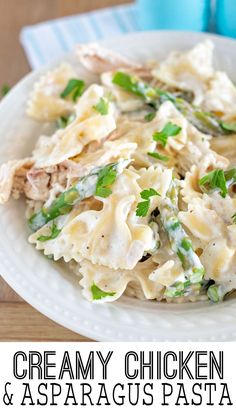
(98, 60)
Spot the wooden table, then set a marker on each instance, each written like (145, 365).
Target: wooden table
(18, 320)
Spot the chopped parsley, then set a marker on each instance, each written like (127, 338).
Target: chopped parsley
(129, 83)
(106, 178)
(102, 107)
(54, 233)
(98, 294)
(143, 206)
(214, 180)
(136, 86)
(5, 89)
(74, 88)
(158, 156)
(150, 116)
(169, 130)
(63, 121)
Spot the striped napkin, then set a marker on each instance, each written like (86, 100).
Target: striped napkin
(48, 40)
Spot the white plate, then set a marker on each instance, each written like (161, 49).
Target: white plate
(50, 288)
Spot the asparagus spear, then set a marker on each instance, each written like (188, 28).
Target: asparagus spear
(97, 182)
(217, 292)
(181, 245)
(206, 122)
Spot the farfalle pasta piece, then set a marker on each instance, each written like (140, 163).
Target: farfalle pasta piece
(85, 107)
(142, 133)
(88, 126)
(217, 258)
(197, 151)
(220, 96)
(190, 185)
(189, 147)
(111, 283)
(168, 273)
(109, 152)
(45, 103)
(202, 222)
(224, 207)
(156, 177)
(142, 136)
(225, 146)
(109, 237)
(125, 101)
(70, 142)
(182, 69)
(60, 246)
(168, 113)
(117, 282)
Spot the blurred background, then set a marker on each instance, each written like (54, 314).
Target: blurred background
(15, 14)
(33, 32)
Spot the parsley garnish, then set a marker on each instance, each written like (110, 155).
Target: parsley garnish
(147, 193)
(150, 116)
(54, 233)
(74, 88)
(229, 126)
(102, 107)
(5, 89)
(106, 178)
(136, 86)
(98, 294)
(63, 121)
(143, 207)
(129, 83)
(169, 130)
(158, 156)
(215, 180)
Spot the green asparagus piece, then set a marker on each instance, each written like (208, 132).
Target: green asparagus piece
(55, 231)
(181, 245)
(206, 122)
(217, 292)
(96, 182)
(229, 126)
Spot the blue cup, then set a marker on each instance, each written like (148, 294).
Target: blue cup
(192, 15)
(226, 17)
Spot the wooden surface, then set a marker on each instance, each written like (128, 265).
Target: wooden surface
(18, 320)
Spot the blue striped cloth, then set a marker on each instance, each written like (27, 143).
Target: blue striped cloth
(48, 40)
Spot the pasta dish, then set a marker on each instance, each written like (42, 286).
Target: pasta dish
(134, 190)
